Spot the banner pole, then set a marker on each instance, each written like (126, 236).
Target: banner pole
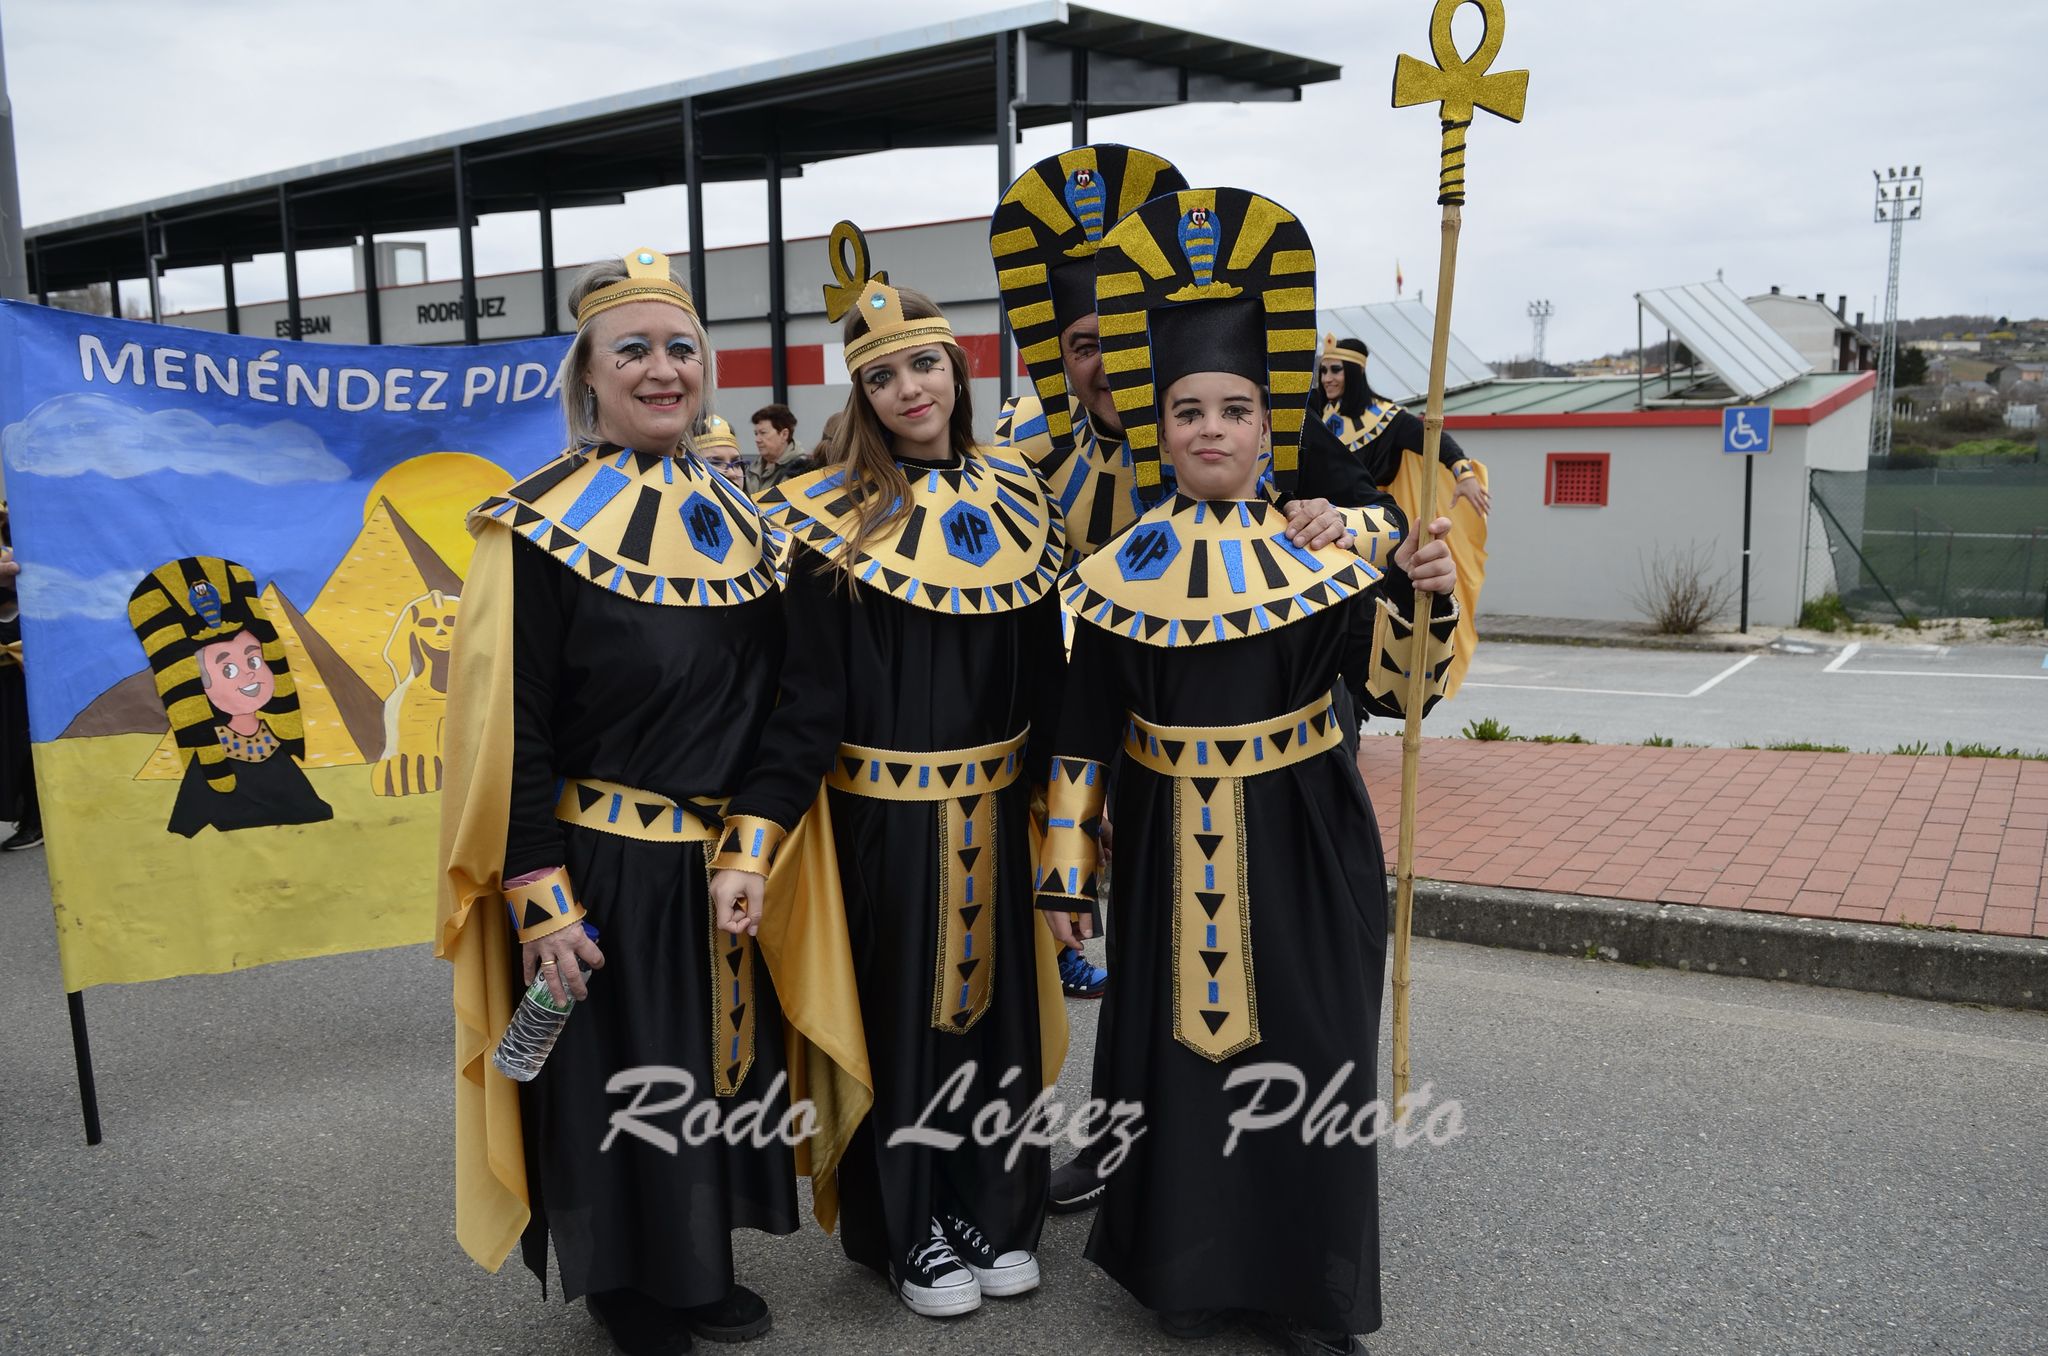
(81, 1051)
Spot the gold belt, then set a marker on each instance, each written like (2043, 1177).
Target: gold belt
(963, 783)
(649, 817)
(1215, 1001)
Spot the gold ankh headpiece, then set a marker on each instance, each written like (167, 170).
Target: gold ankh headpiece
(880, 304)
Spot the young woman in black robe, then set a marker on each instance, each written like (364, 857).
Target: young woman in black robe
(1208, 655)
(924, 652)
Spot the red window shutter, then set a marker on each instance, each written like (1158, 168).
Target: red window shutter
(1575, 479)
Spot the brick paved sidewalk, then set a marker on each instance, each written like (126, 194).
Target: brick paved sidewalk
(1861, 837)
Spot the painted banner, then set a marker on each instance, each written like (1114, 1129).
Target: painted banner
(242, 565)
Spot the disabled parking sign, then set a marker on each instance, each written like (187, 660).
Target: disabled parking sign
(1746, 430)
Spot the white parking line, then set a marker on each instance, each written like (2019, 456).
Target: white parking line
(1726, 673)
(1849, 652)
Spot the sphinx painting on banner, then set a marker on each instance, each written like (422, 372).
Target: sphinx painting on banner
(242, 567)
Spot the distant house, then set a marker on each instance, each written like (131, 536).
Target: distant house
(1824, 337)
(1960, 395)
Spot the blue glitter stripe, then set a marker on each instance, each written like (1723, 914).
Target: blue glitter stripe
(1233, 563)
(1291, 549)
(604, 487)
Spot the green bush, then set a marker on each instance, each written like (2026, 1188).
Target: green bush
(1801, 746)
(1657, 742)
(1488, 729)
(1825, 613)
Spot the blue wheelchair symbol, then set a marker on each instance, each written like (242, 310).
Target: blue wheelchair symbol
(1746, 430)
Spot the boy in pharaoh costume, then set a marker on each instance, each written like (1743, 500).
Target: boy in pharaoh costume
(1209, 652)
(221, 673)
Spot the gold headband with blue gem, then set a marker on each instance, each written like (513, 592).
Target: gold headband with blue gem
(1333, 353)
(647, 279)
(880, 304)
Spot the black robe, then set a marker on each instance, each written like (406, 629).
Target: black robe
(1277, 1227)
(1381, 453)
(273, 791)
(670, 700)
(866, 667)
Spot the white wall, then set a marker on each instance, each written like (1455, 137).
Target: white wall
(1668, 488)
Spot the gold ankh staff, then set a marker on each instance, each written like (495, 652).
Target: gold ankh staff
(1462, 86)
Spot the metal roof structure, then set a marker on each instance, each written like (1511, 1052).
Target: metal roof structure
(1617, 395)
(1732, 340)
(976, 80)
(1397, 334)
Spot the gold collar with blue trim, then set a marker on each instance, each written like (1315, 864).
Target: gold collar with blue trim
(664, 530)
(981, 537)
(1357, 433)
(1192, 571)
(1093, 479)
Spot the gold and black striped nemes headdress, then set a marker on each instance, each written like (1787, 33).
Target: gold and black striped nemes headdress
(647, 279)
(881, 306)
(1208, 279)
(1044, 237)
(1345, 350)
(185, 605)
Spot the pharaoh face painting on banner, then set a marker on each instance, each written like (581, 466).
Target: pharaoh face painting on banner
(242, 573)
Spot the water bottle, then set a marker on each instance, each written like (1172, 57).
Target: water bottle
(535, 1024)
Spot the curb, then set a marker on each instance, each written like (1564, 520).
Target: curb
(1735, 643)
(1946, 967)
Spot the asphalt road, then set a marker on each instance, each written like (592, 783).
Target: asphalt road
(1871, 698)
(1655, 1162)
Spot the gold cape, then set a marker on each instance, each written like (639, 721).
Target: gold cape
(1468, 549)
(803, 937)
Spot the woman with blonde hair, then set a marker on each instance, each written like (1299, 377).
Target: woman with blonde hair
(925, 640)
(613, 672)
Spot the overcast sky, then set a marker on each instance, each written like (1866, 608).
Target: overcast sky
(1664, 142)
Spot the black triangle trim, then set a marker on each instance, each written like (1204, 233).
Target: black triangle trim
(991, 766)
(1209, 842)
(1215, 1019)
(1173, 748)
(949, 772)
(894, 580)
(967, 803)
(1119, 615)
(649, 813)
(1209, 902)
(852, 766)
(588, 796)
(640, 582)
(935, 592)
(968, 967)
(968, 857)
(1153, 626)
(733, 959)
(522, 516)
(558, 540)
(599, 565)
(1230, 748)
(1195, 629)
(1283, 737)
(536, 914)
(738, 1012)
(1214, 960)
(1205, 787)
(898, 770)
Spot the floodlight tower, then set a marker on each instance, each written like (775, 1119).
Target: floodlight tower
(1900, 198)
(1539, 317)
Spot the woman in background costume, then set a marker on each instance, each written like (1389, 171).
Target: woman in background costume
(1251, 913)
(1388, 441)
(221, 672)
(924, 652)
(614, 668)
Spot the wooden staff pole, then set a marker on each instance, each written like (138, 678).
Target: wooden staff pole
(1461, 85)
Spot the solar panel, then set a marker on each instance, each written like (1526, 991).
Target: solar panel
(1730, 338)
(1397, 335)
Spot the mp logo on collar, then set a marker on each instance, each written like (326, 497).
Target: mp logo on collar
(970, 536)
(1147, 552)
(707, 527)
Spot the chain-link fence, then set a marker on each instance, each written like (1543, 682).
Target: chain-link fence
(1937, 542)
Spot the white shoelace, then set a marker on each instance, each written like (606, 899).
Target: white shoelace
(934, 1255)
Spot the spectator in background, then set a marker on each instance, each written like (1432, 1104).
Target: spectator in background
(775, 440)
(17, 772)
